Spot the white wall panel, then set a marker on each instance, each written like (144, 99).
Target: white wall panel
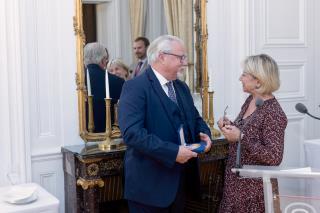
(294, 139)
(284, 22)
(47, 171)
(292, 77)
(45, 95)
(50, 66)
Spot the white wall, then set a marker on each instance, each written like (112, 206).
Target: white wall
(38, 92)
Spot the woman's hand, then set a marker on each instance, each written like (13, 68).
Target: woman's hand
(231, 133)
(223, 121)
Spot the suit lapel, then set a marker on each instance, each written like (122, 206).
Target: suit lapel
(170, 108)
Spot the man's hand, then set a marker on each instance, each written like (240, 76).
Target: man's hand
(184, 154)
(206, 138)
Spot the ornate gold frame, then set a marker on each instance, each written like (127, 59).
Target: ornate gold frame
(80, 77)
(202, 81)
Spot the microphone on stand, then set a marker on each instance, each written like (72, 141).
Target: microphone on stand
(259, 103)
(303, 109)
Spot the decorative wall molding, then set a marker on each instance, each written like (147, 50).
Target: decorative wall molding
(292, 76)
(48, 172)
(49, 180)
(47, 155)
(297, 39)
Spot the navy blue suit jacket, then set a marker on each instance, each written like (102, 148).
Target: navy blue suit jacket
(98, 90)
(149, 124)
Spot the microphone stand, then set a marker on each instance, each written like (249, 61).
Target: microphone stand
(238, 156)
(312, 116)
(259, 103)
(303, 109)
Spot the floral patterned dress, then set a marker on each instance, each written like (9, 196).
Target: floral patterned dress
(262, 144)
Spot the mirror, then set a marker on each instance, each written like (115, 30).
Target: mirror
(192, 22)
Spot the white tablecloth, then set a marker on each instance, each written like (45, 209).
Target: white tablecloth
(46, 203)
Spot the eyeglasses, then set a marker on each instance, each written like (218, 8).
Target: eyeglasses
(181, 57)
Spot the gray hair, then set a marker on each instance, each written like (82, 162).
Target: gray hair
(265, 69)
(94, 53)
(161, 44)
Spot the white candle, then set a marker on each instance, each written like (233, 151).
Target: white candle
(88, 83)
(210, 79)
(107, 85)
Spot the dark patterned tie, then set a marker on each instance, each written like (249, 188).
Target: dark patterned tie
(171, 93)
(138, 67)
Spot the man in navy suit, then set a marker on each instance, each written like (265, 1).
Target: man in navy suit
(159, 169)
(96, 58)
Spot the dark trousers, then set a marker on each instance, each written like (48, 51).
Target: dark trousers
(176, 207)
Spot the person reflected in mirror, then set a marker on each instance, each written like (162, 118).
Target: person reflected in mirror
(118, 68)
(140, 46)
(260, 128)
(95, 60)
(159, 169)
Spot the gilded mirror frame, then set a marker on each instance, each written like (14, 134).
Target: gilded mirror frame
(201, 81)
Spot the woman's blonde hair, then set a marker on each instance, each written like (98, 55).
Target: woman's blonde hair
(119, 63)
(265, 69)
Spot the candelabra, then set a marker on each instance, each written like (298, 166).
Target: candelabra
(115, 127)
(90, 114)
(107, 144)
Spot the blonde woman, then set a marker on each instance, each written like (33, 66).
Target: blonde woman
(118, 68)
(260, 128)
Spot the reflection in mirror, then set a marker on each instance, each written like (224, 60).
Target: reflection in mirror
(100, 85)
(115, 25)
